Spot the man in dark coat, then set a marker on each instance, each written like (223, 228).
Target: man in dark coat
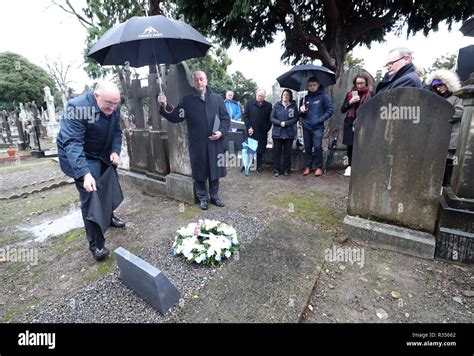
(89, 140)
(257, 122)
(400, 71)
(202, 110)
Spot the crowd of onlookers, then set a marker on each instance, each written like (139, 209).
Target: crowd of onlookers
(316, 107)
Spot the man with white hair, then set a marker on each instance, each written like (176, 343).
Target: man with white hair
(89, 140)
(233, 107)
(400, 71)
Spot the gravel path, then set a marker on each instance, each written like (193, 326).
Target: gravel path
(108, 300)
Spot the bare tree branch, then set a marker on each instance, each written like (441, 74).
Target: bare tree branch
(72, 11)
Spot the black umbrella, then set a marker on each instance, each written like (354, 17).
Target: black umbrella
(297, 77)
(467, 27)
(142, 41)
(332, 149)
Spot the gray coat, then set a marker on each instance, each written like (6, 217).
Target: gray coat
(200, 116)
(455, 120)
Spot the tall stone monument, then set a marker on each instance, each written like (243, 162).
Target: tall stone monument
(400, 146)
(455, 233)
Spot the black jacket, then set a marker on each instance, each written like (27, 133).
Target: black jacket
(289, 115)
(258, 118)
(405, 77)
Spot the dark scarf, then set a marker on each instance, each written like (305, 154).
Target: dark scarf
(364, 95)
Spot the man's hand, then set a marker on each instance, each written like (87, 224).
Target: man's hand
(115, 159)
(162, 99)
(215, 136)
(303, 108)
(250, 131)
(89, 183)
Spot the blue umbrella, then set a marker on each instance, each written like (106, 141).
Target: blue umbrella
(297, 77)
(142, 41)
(249, 149)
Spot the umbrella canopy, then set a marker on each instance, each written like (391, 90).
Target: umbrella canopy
(142, 41)
(297, 77)
(467, 27)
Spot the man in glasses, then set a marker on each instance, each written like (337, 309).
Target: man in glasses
(400, 71)
(89, 141)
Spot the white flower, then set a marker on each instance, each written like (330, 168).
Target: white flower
(193, 249)
(187, 231)
(188, 245)
(210, 224)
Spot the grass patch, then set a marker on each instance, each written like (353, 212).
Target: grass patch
(103, 268)
(10, 168)
(17, 236)
(67, 238)
(14, 211)
(308, 208)
(10, 314)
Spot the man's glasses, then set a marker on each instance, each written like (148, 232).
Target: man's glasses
(389, 64)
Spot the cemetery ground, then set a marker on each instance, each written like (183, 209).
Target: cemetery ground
(286, 270)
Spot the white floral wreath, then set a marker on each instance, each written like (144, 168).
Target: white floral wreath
(207, 242)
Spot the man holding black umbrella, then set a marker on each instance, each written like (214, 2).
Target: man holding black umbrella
(208, 122)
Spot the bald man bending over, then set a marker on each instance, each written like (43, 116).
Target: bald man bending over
(89, 141)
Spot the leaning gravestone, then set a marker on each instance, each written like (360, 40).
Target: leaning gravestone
(455, 234)
(146, 280)
(400, 145)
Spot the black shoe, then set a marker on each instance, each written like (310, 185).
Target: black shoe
(116, 222)
(277, 174)
(286, 173)
(100, 254)
(260, 170)
(204, 205)
(217, 202)
(242, 169)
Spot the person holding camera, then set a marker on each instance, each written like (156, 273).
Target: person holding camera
(358, 95)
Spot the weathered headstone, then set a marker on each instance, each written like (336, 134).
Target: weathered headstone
(400, 144)
(147, 281)
(53, 125)
(455, 234)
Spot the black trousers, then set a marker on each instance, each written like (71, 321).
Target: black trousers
(93, 232)
(201, 190)
(349, 154)
(280, 145)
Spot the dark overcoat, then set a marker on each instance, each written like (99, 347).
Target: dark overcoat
(257, 117)
(200, 115)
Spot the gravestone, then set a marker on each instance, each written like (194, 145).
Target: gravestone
(455, 234)
(400, 145)
(179, 182)
(338, 93)
(148, 147)
(147, 281)
(53, 125)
